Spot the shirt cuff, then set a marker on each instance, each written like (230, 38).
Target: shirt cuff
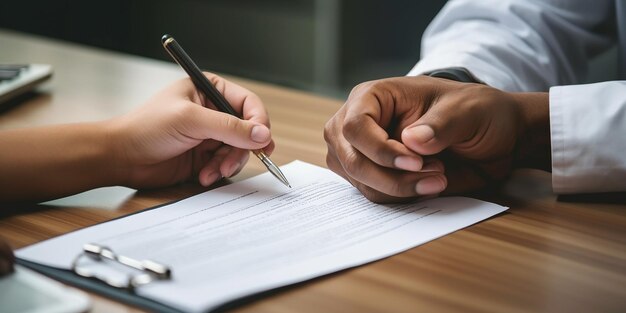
(587, 127)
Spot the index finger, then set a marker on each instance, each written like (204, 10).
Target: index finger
(363, 130)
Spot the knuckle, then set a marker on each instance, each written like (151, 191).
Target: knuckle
(217, 81)
(329, 133)
(352, 126)
(385, 154)
(213, 78)
(253, 97)
(359, 87)
(333, 126)
(397, 188)
(364, 87)
(351, 163)
(231, 124)
(395, 85)
(381, 85)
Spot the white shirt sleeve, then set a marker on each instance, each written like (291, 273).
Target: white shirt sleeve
(588, 129)
(518, 45)
(530, 45)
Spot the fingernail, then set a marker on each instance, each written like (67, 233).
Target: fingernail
(233, 168)
(260, 134)
(422, 133)
(408, 163)
(430, 185)
(213, 177)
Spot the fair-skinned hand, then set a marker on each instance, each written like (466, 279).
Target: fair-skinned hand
(174, 138)
(170, 139)
(400, 138)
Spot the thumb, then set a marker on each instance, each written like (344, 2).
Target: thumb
(443, 125)
(244, 134)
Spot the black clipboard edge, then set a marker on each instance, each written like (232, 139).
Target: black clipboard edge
(98, 287)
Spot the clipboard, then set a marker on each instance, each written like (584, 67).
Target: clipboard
(238, 269)
(97, 286)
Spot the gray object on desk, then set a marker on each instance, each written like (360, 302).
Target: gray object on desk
(16, 79)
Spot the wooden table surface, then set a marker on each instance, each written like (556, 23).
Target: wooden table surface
(543, 255)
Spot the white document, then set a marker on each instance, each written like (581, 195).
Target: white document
(257, 235)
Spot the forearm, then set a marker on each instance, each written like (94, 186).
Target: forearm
(54, 161)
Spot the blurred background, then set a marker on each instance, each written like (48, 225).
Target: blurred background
(324, 46)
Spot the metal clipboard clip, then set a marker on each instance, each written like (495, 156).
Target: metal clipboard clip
(151, 270)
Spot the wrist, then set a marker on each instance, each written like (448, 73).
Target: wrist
(533, 149)
(114, 157)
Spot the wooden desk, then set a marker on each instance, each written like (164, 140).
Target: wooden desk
(541, 256)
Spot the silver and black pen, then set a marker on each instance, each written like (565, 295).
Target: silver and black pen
(206, 87)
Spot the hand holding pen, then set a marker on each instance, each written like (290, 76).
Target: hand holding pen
(208, 90)
(168, 140)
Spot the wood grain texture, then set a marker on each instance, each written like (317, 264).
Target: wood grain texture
(543, 255)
